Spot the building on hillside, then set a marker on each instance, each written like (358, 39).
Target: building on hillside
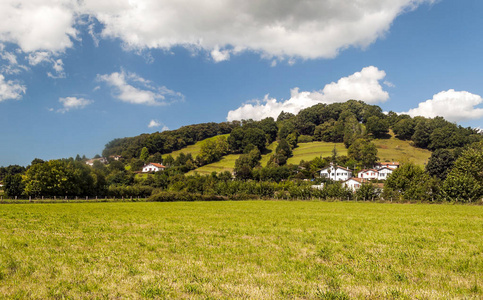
(384, 172)
(153, 167)
(116, 157)
(355, 183)
(379, 174)
(336, 173)
(391, 165)
(368, 174)
(90, 162)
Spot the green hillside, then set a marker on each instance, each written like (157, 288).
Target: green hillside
(401, 151)
(227, 163)
(193, 149)
(388, 150)
(308, 151)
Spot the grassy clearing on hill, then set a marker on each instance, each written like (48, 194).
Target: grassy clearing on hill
(309, 151)
(193, 149)
(227, 163)
(247, 249)
(397, 150)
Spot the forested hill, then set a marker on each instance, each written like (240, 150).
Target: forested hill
(166, 141)
(338, 122)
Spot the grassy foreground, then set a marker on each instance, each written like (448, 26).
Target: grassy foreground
(248, 249)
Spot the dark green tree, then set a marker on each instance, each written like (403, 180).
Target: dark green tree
(376, 126)
(14, 185)
(364, 152)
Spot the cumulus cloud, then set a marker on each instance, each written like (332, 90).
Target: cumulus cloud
(40, 57)
(10, 89)
(11, 66)
(364, 85)
(306, 29)
(153, 124)
(156, 123)
(453, 105)
(38, 24)
(70, 103)
(283, 29)
(131, 88)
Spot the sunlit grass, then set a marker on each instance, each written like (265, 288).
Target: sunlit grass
(309, 151)
(193, 149)
(397, 150)
(249, 249)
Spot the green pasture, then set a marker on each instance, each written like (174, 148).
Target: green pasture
(226, 163)
(193, 149)
(241, 250)
(402, 151)
(309, 151)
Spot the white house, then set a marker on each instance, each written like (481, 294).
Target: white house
(380, 174)
(336, 173)
(153, 167)
(90, 162)
(391, 165)
(384, 172)
(368, 174)
(354, 183)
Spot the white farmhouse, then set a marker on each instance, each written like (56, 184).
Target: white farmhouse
(384, 172)
(336, 173)
(153, 167)
(368, 174)
(90, 162)
(391, 165)
(354, 183)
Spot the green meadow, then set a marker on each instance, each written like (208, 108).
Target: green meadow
(245, 249)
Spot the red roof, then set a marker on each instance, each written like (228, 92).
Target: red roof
(158, 165)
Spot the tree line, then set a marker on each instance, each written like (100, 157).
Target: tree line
(453, 172)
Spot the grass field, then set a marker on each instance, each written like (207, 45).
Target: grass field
(309, 151)
(247, 249)
(193, 149)
(227, 163)
(397, 150)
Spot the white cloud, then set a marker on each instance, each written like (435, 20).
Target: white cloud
(219, 56)
(363, 85)
(58, 66)
(306, 29)
(284, 29)
(38, 24)
(10, 89)
(70, 103)
(40, 57)
(153, 124)
(12, 66)
(131, 88)
(453, 105)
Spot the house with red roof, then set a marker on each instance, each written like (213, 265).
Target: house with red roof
(336, 173)
(153, 167)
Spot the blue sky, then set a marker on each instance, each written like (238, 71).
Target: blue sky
(75, 75)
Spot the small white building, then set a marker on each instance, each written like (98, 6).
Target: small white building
(368, 174)
(90, 162)
(153, 167)
(354, 183)
(391, 165)
(380, 174)
(384, 172)
(336, 173)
